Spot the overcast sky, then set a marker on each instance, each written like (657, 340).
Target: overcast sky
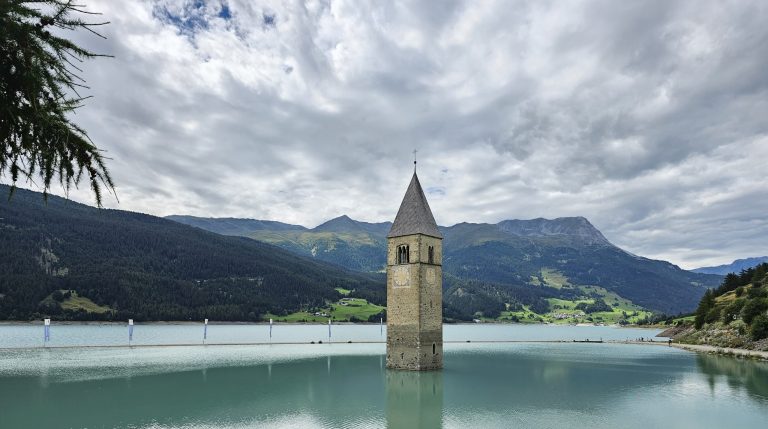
(648, 118)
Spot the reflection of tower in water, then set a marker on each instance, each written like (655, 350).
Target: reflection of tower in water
(414, 399)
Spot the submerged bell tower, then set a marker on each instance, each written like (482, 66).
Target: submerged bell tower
(414, 285)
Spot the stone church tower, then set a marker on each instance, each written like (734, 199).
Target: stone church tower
(414, 286)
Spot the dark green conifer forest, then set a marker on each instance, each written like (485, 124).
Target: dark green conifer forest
(148, 268)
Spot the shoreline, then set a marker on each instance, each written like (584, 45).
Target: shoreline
(703, 348)
(724, 351)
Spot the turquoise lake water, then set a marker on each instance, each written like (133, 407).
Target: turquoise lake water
(169, 334)
(486, 385)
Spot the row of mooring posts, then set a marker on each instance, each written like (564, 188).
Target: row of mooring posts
(47, 330)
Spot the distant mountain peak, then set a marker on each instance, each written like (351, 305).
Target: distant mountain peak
(345, 223)
(338, 224)
(577, 227)
(734, 267)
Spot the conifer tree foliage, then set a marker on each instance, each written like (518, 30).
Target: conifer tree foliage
(749, 302)
(40, 87)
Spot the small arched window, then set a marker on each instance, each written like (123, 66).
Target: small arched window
(403, 254)
(433, 348)
(431, 253)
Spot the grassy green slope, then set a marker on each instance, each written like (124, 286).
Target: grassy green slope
(734, 315)
(344, 310)
(359, 251)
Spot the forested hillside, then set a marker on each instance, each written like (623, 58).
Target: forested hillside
(733, 315)
(72, 261)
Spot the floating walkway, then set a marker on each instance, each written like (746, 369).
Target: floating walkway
(689, 347)
(318, 343)
(274, 343)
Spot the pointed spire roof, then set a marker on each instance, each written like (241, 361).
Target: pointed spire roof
(414, 216)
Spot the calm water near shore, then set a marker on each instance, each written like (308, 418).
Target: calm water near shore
(346, 385)
(30, 335)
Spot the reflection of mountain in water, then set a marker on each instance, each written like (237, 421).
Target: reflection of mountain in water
(739, 374)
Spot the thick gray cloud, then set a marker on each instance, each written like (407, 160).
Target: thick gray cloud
(646, 117)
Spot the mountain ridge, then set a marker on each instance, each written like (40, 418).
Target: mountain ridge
(577, 226)
(512, 252)
(233, 226)
(734, 267)
(345, 222)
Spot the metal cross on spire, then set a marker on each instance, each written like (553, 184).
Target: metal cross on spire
(414, 159)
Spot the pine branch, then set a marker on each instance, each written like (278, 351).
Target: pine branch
(39, 83)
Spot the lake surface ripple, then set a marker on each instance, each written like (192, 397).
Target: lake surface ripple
(487, 385)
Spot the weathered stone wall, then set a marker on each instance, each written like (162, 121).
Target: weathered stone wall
(414, 305)
(412, 349)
